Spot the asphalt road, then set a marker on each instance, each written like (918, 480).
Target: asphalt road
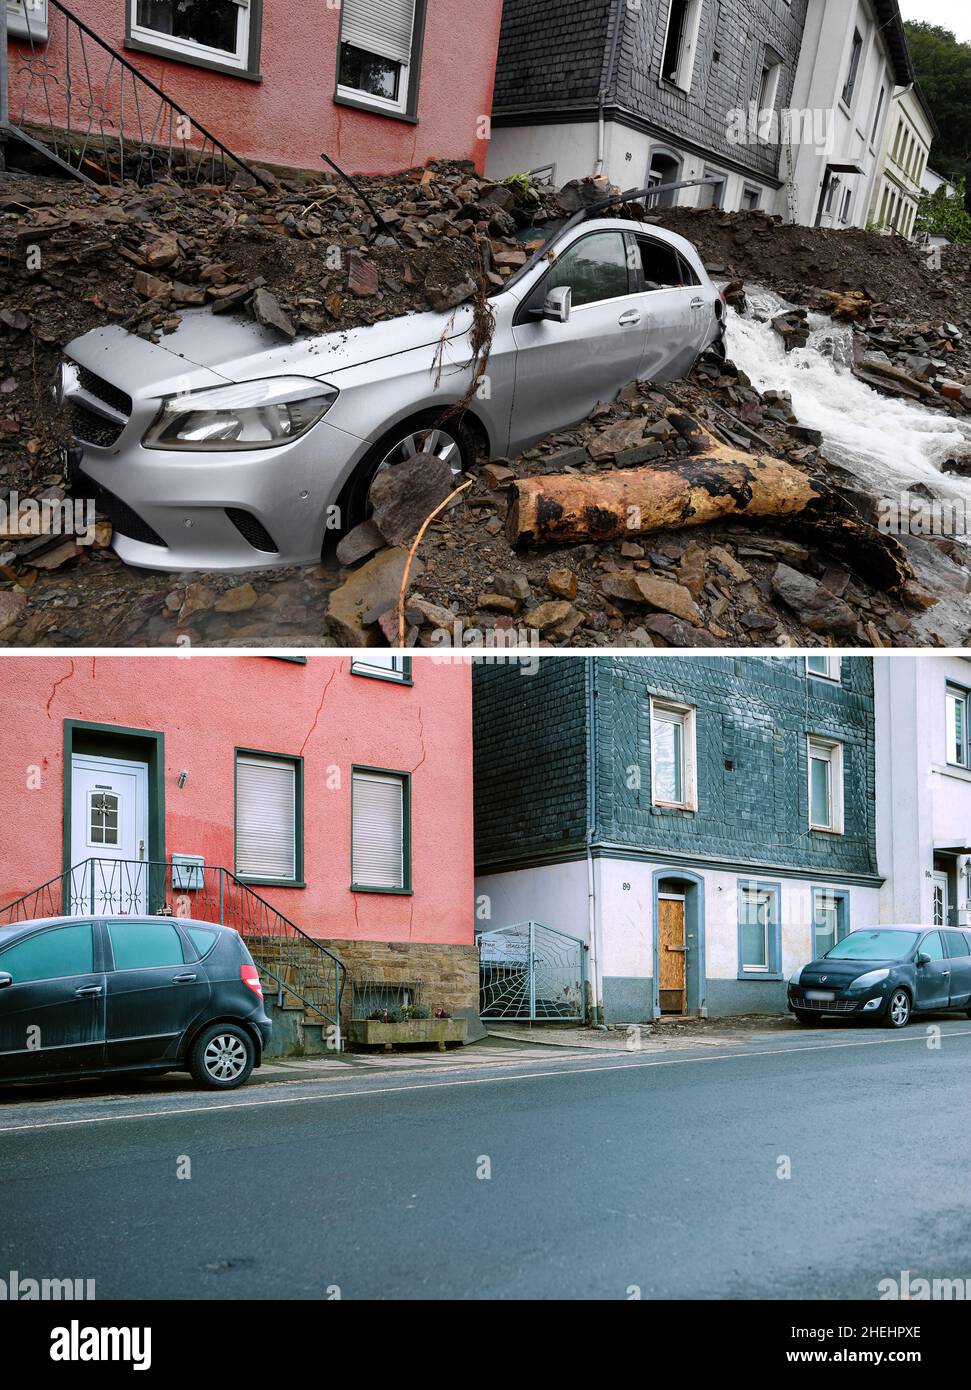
(659, 1172)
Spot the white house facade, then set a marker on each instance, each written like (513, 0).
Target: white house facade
(923, 750)
(910, 131)
(854, 57)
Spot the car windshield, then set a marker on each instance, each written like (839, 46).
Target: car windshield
(874, 945)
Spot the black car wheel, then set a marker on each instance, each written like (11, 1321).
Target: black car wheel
(426, 435)
(804, 1016)
(897, 1013)
(222, 1057)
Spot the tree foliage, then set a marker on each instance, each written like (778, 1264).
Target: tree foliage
(941, 215)
(943, 67)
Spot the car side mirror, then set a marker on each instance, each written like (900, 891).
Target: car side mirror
(923, 958)
(558, 305)
(5, 979)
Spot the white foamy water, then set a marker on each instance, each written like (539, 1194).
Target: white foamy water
(889, 444)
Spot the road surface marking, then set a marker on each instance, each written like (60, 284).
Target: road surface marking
(468, 1081)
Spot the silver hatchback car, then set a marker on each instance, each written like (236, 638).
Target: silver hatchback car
(223, 448)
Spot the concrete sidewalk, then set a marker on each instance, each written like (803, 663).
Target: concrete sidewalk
(663, 1036)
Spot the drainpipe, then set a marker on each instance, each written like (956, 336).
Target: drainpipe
(593, 919)
(607, 86)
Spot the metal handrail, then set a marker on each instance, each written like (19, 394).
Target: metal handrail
(207, 893)
(106, 83)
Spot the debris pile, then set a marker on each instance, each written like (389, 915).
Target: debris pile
(817, 575)
(309, 256)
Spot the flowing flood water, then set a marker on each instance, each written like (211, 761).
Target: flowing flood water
(888, 444)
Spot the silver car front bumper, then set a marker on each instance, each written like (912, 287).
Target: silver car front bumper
(176, 510)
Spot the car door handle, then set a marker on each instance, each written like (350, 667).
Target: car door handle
(632, 316)
(83, 990)
(945, 972)
(182, 979)
(697, 304)
(676, 948)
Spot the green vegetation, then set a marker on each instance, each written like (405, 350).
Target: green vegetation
(943, 216)
(943, 67)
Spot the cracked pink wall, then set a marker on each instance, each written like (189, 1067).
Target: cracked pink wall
(290, 116)
(208, 705)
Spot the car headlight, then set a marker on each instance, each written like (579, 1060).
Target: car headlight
(871, 978)
(794, 979)
(249, 415)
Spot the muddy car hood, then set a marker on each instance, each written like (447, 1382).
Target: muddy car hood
(208, 349)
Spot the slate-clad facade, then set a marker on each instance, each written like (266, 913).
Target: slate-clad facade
(583, 86)
(572, 831)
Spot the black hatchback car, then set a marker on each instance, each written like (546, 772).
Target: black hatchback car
(887, 973)
(86, 995)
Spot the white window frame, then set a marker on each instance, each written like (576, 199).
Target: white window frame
(831, 751)
(684, 74)
(771, 928)
(770, 79)
(956, 696)
(833, 671)
(359, 97)
(189, 48)
(685, 715)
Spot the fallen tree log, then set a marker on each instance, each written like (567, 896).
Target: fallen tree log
(720, 485)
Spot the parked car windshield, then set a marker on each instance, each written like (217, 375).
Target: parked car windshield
(874, 945)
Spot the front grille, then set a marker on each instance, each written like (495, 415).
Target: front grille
(124, 520)
(92, 428)
(827, 1006)
(97, 386)
(252, 531)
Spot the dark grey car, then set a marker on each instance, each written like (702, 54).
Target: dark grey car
(85, 995)
(887, 973)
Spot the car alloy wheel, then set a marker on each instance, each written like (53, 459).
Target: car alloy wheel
(225, 1057)
(428, 443)
(898, 1009)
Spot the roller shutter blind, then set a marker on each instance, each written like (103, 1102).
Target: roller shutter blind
(266, 817)
(378, 849)
(384, 27)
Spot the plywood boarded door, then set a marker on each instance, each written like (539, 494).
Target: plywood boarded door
(671, 953)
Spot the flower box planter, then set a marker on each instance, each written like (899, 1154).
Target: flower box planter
(427, 1032)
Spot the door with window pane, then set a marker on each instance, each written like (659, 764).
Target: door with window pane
(940, 900)
(109, 835)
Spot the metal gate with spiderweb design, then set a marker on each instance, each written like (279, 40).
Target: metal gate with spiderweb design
(531, 973)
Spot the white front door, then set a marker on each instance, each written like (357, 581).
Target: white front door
(942, 915)
(109, 835)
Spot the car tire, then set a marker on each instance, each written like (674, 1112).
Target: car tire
(222, 1057)
(355, 501)
(898, 1011)
(804, 1016)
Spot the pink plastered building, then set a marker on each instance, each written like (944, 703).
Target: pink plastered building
(338, 789)
(380, 85)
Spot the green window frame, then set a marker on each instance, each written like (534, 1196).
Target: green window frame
(245, 872)
(376, 776)
(383, 666)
